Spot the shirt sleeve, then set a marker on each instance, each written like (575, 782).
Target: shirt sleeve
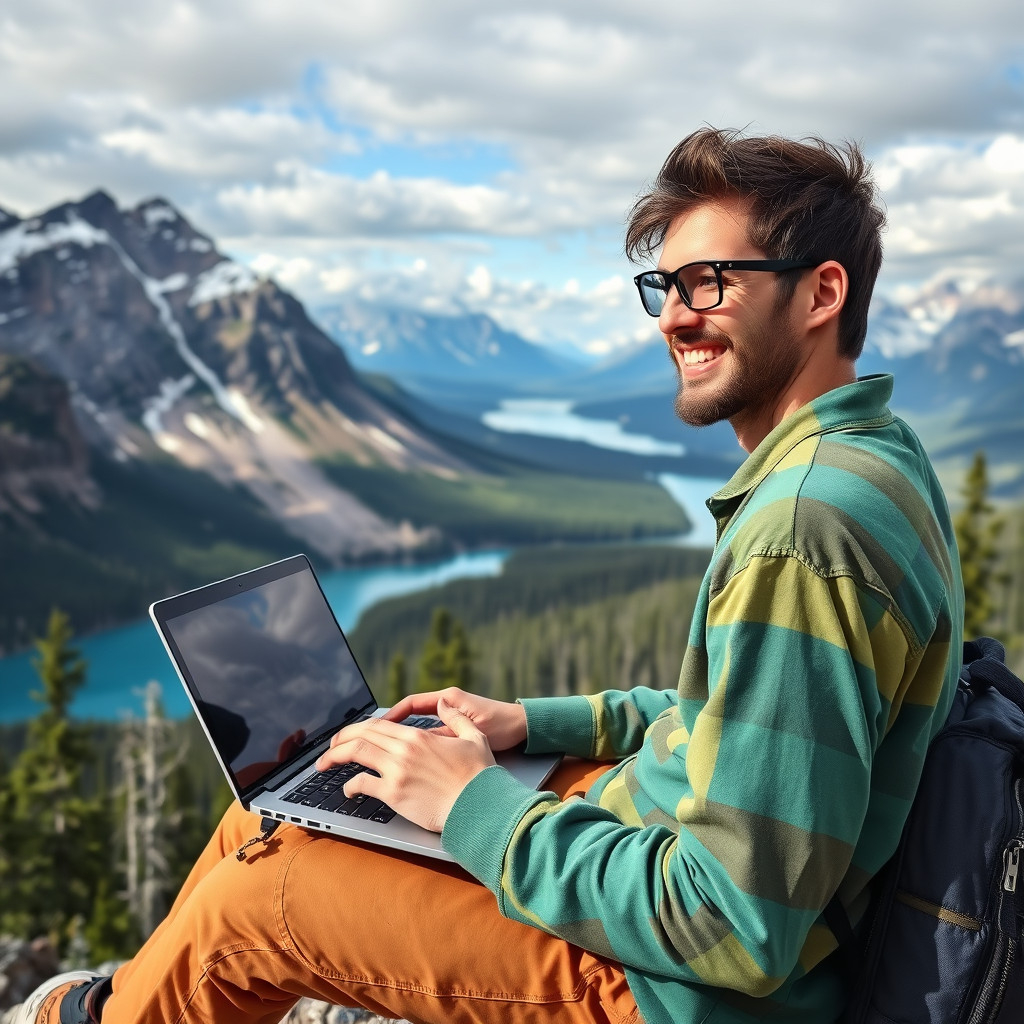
(604, 727)
(735, 823)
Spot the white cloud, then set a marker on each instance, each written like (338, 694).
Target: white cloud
(263, 120)
(304, 200)
(954, 207)
(481, 284)
(224, 143)
(600, 318)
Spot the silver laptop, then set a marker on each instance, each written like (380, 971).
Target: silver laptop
(272, 679)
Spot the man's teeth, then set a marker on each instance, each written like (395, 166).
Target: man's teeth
(692, 356)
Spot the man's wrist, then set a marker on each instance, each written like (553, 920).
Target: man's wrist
(522, 724)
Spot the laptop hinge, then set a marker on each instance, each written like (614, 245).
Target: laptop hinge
(286, 772)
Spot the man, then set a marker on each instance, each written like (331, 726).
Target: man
(717, 821)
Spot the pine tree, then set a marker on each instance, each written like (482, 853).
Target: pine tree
(447, 659)
(110, 933)
(53, 838)
(397, 682)
(506, 687)
(433, 673)
(544, 672)
(459, 657)
(977, 533)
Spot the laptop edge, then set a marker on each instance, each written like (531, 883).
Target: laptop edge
(266, 797)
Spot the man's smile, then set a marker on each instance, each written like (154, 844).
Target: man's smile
(692, 356)
(696, 358)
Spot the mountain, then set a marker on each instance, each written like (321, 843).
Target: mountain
(41, 448)
(168, 347)
(146, 379)
(460, 359)
(959, 376)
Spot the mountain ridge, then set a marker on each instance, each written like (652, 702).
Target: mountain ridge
(170, 349)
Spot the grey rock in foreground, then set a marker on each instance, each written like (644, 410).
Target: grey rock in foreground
(23, 966)
(312, 1011)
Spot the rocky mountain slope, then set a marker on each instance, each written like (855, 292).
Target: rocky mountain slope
(162, 413)
(168, 351)
(41, 448)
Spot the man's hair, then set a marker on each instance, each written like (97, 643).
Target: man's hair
(808, 200)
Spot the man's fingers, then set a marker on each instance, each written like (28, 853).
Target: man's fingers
(382, 730)
(414, 704)
(365, 784)
(366, 742)
(363, 748)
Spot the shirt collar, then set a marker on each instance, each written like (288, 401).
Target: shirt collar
(860, 404)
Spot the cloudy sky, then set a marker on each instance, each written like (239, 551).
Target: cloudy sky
(458, 155)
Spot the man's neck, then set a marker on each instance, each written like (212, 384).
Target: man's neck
(754, 425)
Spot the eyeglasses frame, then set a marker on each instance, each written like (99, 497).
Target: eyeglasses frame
(672, 277)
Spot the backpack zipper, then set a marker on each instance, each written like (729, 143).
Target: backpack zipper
(993, 988)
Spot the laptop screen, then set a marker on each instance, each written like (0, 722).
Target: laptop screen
(269, 669)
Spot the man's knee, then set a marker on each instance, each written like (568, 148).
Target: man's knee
(236, 901)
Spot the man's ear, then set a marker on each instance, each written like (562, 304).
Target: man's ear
(825, 289)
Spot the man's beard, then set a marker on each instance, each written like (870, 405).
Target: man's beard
(761, 369)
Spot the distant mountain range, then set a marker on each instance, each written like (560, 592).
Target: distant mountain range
(166, 416)
(957, 356)
(440, 354)
(958, 362)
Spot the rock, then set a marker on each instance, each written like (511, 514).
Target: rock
(23, 966)
(312, 1011)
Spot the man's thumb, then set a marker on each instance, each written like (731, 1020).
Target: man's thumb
(455, 719)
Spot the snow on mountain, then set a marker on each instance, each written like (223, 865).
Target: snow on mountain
(226, 278)
(29, 237)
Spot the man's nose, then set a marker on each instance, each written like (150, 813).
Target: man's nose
(676, 314)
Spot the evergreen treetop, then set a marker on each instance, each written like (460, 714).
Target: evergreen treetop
(977, 529)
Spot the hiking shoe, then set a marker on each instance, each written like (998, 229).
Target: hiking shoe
(75, 1004)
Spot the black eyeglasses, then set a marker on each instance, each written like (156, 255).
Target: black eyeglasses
(700, 284)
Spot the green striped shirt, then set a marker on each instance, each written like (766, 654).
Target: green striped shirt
(822, 657)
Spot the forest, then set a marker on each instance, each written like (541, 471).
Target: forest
(100, 822)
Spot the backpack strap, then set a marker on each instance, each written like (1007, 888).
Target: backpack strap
(985, 664)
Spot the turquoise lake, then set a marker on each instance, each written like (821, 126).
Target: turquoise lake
(121, 661)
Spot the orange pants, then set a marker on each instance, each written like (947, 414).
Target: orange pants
(357, 925)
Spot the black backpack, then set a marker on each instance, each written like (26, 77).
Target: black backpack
(942, 943)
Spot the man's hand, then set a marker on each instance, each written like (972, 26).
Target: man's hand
(421, 772)
(502, 723)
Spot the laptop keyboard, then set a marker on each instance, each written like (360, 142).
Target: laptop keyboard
(323, 790)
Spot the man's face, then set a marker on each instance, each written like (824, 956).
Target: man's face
(735, 361)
